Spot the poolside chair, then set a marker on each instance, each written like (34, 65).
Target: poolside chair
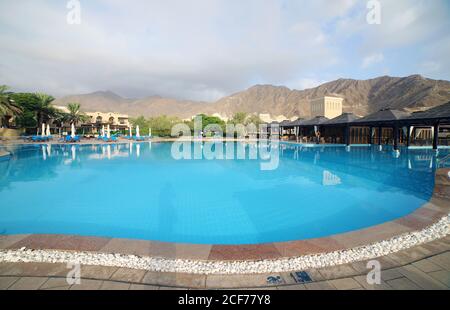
(69, 139)
(138, 138)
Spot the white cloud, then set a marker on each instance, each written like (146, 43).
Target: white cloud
(371, 60)
(203, 49)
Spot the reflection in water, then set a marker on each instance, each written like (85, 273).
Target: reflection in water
(315, 191)
(330, 179)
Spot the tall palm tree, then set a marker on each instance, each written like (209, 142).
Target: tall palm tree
(75, 116)
(7, 105)
(44, 109)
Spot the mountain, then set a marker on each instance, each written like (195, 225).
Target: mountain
(107, 101)
(361, 97)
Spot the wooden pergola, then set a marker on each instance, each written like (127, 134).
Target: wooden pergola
(391, 119)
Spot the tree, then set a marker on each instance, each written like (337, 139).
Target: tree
(43, 109)
(239, 118)
(27, 102)
(253, 119)
(75, 116)
(8, 107)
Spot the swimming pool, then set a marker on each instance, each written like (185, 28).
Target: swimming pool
(139, 191)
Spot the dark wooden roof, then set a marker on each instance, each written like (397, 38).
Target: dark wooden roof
(318, 120)
(439, 112)
(344, 118)
(297, 122)
(384, 115)
(285, 123)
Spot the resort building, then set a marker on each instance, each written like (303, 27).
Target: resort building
(96, 120)
(327, 106)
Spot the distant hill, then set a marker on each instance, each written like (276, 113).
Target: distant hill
(361, 97)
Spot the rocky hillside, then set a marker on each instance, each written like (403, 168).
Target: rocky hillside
(360, 96)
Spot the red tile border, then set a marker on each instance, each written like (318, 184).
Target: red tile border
(429, 213)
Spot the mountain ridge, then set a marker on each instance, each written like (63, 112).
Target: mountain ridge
(411, 93)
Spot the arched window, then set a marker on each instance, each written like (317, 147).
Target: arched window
(99, 119)
(111, 120)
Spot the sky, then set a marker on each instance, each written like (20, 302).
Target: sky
(207, 49)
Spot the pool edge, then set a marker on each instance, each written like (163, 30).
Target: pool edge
(425, 216)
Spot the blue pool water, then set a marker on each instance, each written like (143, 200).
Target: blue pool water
(139, 191)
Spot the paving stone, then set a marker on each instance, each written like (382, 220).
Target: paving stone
(297, 287)
(87, 285)
(33, 269)
(97, 272)
(442, 276)
(337, 272)
(175, 279)
(142, 287)
(345, 284)
(426, 266)
(442, 260)
(402, 284)
(55, 284)
(169, 288)
(323, 285)
(6, 282)
(421, 278)
(390, 274)
(362, 280)
(116, 286)
(128, 275)
(28, 283)
(234, 281)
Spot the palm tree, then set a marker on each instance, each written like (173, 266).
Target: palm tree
(44, 109)
(7, 106)
(75, 116)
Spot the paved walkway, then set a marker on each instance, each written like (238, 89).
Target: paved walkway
(423, 267)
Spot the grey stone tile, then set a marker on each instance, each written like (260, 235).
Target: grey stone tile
(345, 284)
(116, 286)
(442, 260)
(6, 282)
(337, 272)
(323, 285)
(296, 287)
(174, 279)
(87, 285)
(402, 284)
(143, 287)
(128, 275)
(234, 281)
(426, 266)
(28, 283)
(362, 280)
(55, 284)
(420, 278)
(390, 274)
(97, 272)
(442, 276)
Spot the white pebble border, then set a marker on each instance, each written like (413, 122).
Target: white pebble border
(378, 249)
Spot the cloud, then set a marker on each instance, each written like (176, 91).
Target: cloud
(372, 59)
(204, 49)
